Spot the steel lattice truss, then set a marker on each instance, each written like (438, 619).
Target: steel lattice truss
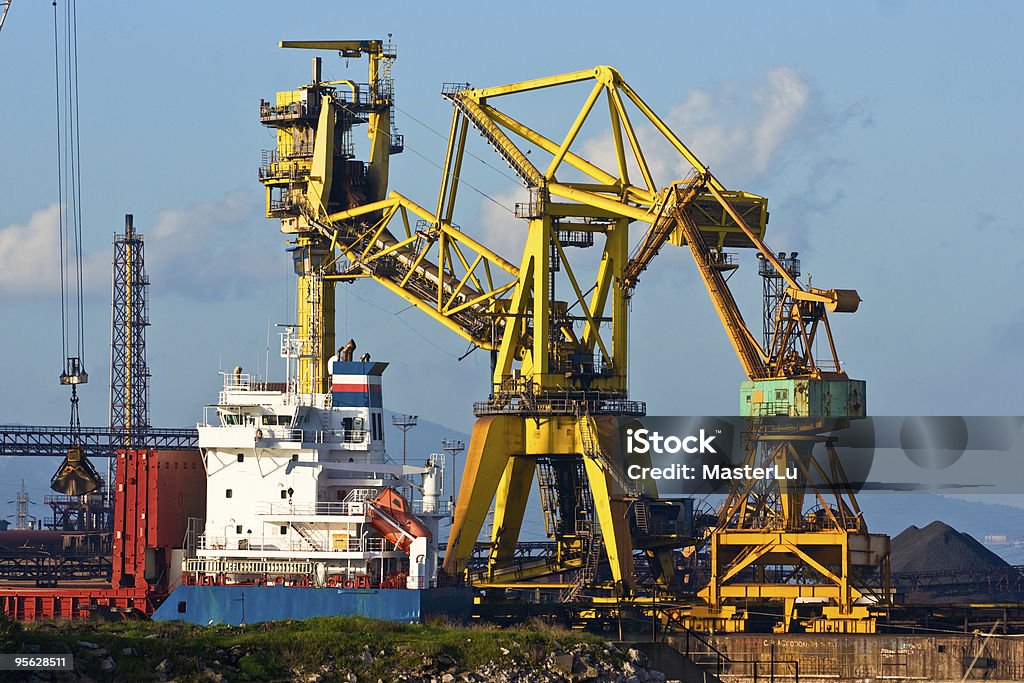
(96, 442)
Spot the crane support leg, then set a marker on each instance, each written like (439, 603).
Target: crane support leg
(494, 439)
(510, 506)
(613, 515)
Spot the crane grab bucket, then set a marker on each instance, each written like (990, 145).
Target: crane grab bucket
(76, 476)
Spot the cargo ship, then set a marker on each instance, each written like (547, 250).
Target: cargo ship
(306, 514)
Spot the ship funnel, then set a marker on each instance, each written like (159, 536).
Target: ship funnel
(76, 475)
(346, 351)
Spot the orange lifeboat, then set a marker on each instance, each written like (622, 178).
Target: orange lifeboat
(390, 515)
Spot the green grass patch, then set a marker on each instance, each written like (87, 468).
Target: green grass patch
(285, 650)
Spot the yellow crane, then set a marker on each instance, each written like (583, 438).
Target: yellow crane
(768, 545)
(559, 362)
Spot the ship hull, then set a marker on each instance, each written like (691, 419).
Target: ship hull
(234, 605)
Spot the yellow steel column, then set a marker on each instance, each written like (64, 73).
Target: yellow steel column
(494, 439)
(612, 514)
(378, 129)
(315, 317)
(537, 244)
(617, 250)
(510, 506)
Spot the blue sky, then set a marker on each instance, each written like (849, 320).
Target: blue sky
(886, 136)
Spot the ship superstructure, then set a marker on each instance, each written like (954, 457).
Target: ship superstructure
(301, 492)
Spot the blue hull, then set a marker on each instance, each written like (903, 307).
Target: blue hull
(225, 604)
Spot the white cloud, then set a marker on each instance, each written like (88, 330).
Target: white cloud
(212, 249)
(498, 229)
(30, 263)
(736, 131)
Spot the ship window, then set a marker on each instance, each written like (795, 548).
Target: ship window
(227, 494)
(238, 529)
(241, 457)
(284, 494)
(284, 420)
(182, 606)
(284, 530)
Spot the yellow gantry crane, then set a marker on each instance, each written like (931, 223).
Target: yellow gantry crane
(769, 545)
(559, 366)
(559, 358)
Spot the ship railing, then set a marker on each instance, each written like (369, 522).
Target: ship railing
(344, 508)
(349, 545)
(361, 494)
(420, 507)
(339, 544)
(239, 381)
(356, 437)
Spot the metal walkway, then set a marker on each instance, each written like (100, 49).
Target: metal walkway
(96, 442)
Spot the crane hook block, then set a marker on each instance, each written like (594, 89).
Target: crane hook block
(843, 301)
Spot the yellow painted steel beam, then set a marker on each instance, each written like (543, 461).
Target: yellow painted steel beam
(741, 537)
(567, 210)
(574, 130)
(669, 135)
(493, 440)
(620, 153)
(509, 508)
(458, 235)
(453, 151)
(634, 143)
(480, 94)
(370, 47)
(538, 242)
(780, 591)
(600, 201)
(716, 190)
(523, 166)
(548, 145)
(612, 514)
(592, 329)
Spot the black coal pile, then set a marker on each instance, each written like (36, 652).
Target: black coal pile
(939, 547)
(940, 564)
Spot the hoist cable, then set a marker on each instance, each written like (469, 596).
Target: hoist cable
(78, 185)
(60, 188)
(69, 181)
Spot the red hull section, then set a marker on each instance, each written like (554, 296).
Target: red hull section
(155, 494)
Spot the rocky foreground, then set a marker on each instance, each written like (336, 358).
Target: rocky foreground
(351, 650)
